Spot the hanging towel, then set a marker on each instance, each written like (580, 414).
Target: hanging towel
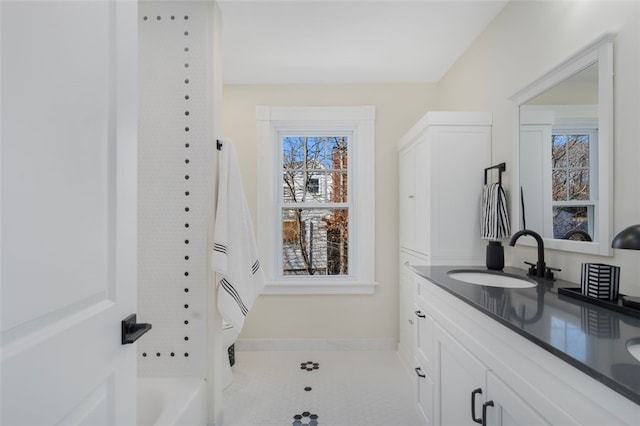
(234, 250)
(494, 221)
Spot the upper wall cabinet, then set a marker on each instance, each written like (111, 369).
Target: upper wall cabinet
(564, 152)
(441, 162)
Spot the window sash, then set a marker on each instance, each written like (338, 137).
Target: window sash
(321, 247)
(284, 204)
(592, 134)
(569, 129)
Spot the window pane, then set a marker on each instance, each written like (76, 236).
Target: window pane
(578, 150)
(315, 242)
(559, 185)
(579, 185)
(315, 169)
(337, 147)
(559, 151)
(311, 187)
(315, 152)
(566, 219)
(293, 152)
(339, 185)
(293, 186)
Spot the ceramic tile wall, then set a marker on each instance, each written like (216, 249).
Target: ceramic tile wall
(173, 187)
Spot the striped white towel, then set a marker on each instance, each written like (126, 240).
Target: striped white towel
(494, 220)
(234, 250)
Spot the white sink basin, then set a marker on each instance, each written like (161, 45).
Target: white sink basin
(491, 279)
(633, 346)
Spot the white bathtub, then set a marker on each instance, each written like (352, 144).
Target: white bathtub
(169, 401)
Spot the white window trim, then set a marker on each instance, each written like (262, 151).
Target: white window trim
(361, 121)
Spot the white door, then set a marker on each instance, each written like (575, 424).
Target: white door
(69, 103)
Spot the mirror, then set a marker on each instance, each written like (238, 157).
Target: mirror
(564, 186)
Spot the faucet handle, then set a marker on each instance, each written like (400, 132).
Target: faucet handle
(533, 269)
(548, 273)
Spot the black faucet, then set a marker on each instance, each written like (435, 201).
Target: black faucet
(540, 267)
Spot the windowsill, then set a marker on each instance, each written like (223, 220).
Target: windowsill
(285, 287)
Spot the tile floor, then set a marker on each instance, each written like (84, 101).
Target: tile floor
(324, 388)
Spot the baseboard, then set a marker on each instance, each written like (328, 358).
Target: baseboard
(382, 344)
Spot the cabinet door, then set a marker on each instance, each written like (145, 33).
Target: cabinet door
(407, 317)
(458, 374)
(406, 192)
(460, 154)
(508, 408)
(423, 338)
(422, 184)
(424, 395)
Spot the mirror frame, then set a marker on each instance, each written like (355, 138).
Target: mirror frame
(601, 52)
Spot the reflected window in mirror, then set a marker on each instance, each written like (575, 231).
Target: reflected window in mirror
(559, 169)
(572, 197)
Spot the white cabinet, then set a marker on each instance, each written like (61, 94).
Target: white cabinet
(476, 370)
(441, 169)
(441, 162)
(469, 393)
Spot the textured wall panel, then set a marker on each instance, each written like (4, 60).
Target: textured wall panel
(173, 187)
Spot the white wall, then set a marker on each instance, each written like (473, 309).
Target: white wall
(528, 39)
(398, 107)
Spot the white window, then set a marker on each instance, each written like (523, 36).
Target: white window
(316, 223)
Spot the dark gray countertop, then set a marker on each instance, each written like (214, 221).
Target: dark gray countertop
(591, 338)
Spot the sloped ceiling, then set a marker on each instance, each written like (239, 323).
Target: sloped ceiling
(339, 41)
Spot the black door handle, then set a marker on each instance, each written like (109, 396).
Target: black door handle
(131, 330)
(419, 314)
(418, 370)
(484, 411)
(473, 405)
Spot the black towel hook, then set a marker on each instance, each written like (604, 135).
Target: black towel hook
(501, 168)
